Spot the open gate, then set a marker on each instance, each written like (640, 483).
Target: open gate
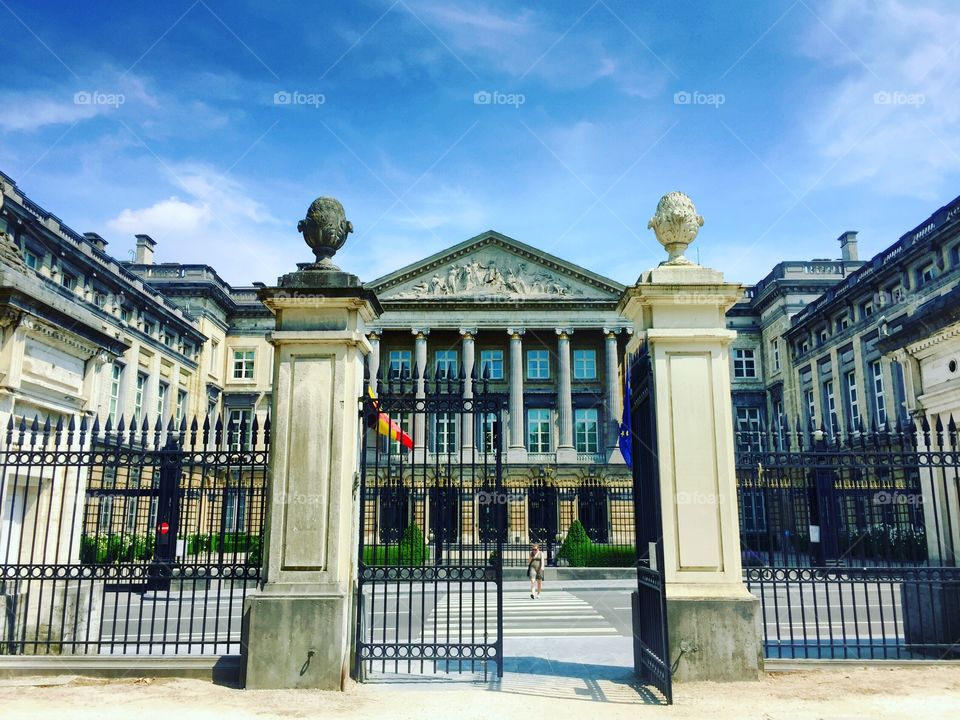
(651, 647)
(430, 589)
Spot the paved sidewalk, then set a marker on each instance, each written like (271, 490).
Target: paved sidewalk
(875, 693)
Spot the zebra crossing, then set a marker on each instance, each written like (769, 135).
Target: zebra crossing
(554, 614)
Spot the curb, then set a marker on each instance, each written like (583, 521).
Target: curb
(224, 669)
(555, 574)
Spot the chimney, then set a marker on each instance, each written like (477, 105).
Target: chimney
(98, 242)
(145, 246)
(848, 245)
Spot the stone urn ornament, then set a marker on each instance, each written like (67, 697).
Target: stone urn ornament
(325, 230)
(676, 224)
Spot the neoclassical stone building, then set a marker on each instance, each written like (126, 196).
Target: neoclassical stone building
(836, 341)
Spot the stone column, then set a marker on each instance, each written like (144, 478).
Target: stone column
(613, 397)
(566, 452)
(373, 359)
(517, 450)
(678, 310)
(298, 630)
(466, 438)
(420, 363)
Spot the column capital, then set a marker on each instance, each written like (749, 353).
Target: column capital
(564, 332)
(420, 332)
(612, 332)
(516, 332)
(468, 333)
(373, 336)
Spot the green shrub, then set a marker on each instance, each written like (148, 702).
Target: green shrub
(576, 545)
(109, 549)
(411, 550)
(610, 555)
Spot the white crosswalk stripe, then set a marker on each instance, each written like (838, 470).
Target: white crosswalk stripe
(553, 614)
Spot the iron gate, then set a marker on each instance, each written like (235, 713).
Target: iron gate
(118, 540)
(651, 647)
(430, 590)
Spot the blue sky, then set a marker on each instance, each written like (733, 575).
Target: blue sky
(212, 125)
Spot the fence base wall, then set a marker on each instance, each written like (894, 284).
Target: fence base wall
(719, 637)
(931, 619)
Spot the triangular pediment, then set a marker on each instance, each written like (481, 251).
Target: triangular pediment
(492, 267)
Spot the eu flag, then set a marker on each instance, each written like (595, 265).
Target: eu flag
(626, 433)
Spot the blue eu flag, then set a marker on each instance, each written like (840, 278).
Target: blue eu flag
(626, 433)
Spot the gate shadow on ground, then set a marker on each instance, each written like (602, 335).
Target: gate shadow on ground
(566, 680)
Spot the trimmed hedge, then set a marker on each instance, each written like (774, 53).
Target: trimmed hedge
(411, 550)
(580, 551)
(107, 549)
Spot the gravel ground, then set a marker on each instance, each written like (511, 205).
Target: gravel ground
(927, 692)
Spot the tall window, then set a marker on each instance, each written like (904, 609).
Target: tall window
(240, 428)
(538, 364)
(181, 406)
(445, 432)
(748, 429)
(492, 361)
(445, 363)
(778, 418)
(775, 354)
(115, 379)
(879, 396)
(538, 430)
(585, 364)
(853, 402)
(234, 510)
(486, 440)
(399, 365)
(214, 357)
(31, 260)
(161, 400)
(138, 398)
(830, 403)
(586, 430)
(130, 522)
(243, 364)
(811, 405)
(744, 363)
(403, 419)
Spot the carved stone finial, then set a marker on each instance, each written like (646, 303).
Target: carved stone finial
(325, 230)
(676, 224)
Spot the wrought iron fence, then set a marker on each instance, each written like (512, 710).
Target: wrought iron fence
(128, 539)
(850, 539)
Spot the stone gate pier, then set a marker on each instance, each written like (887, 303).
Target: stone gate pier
(678, 311)
(298, 630)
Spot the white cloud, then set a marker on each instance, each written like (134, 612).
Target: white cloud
(32, 111)
(893, 118)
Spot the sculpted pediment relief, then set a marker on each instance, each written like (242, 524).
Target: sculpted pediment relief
(491, 274)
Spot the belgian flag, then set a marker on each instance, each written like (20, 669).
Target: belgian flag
(384, 425)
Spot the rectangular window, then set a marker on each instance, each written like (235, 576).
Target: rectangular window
(811, 405)
(843, 322)
(538, 365)
(445, 432)
(879, 396)
(161, 400)
(775, 354)
(234, 510)
(169, 339)
(148, 328)
(585, 364)
(830, 405)
(853, 402)
(445, 363)
(925, 274)
(491, 361)
(181, 406)
(68, 281)
(124, 315)
(240, 429)
(586, 430)
(130, 522)
(866, 309)
(754, 511)
(214, 357)
(824, 335)
(400, 364)
(487, 433)
(115, 377)
(779, 419)
(404, 420)
(744, 363)
(538, 430)
(31, 260)
(243, 364)
(748, 429)
(138, 397)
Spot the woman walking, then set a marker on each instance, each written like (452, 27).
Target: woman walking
(535, 567)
